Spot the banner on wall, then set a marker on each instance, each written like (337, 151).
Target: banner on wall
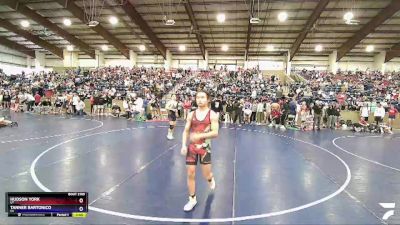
(11, 69)
(266, 65)
(228, 66)
(188, 66)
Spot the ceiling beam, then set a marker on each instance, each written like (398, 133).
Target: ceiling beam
(23, 9)
(80, 14)
(33, 38)
(157, 20)
(15, 46)
(189, 11)
(310, 23)
(393, 52)
(139, 21)
(246, 53)
(219, 3)
(368, 28)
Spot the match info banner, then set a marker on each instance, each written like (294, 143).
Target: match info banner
(47, 204)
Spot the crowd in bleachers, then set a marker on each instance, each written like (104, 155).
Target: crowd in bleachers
(55, 93)
(353, 89)
(248, 97)
(243, 96)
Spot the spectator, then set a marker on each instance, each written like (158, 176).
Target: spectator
(253, 111)
(317, 112)
(80, 106)
(75, 101)
(332, 118)
(216, 105)
(116, 111)
(30, 101)
(364, 111)
(379, 114)
(285, 112)
(260, 113)
(38, 99)
(6, 100)
(187, 104)
(361, 125)
(392, 115)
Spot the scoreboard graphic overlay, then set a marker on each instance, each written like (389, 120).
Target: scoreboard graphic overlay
(47, 204)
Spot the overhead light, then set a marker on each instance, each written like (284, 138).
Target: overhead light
(93, 23)
(25, 23)
(282, 16)
(70, 48)
(255, 20)
(270, 48)
(221, 18)
(104, 47)
(369, 48)
(182, 48)
(113, 20)
(225, 48)
(168, 22)
(318, 48)
(142, 48)
(348, 16)
(67, 22)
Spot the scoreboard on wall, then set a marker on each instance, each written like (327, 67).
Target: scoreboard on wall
(47, 204)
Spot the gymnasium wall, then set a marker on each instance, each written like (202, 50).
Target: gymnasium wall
(11, 57)
(266, 63)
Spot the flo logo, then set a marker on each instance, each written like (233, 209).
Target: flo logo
(390, 212)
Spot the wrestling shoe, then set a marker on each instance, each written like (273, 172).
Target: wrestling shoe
(211, 184)
(190, 204)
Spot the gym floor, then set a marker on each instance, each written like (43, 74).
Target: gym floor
(134, 175)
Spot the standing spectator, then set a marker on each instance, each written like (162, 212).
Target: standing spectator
(1, 98)
(108, 100)
(253, 111)
(155, 105)
(260, 113)
(58, 104)
(304, 112)
(187, 104)
(325, 115)
(331, 116)
(139, 106)
(229, 111)
(336, 114)
(30, 101)
(247, 111)
(392, 115)
(180, 108)
(100, 104)
(236, 111)
(379, 114)
(285, 112)
(125, 105)
(91, 100)
(267, 112)
(317, 110)
(6, 100)
(96, 108)
(216, 106)
(364, 111)
(75, 101)
(38, 99)
(80, 107)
